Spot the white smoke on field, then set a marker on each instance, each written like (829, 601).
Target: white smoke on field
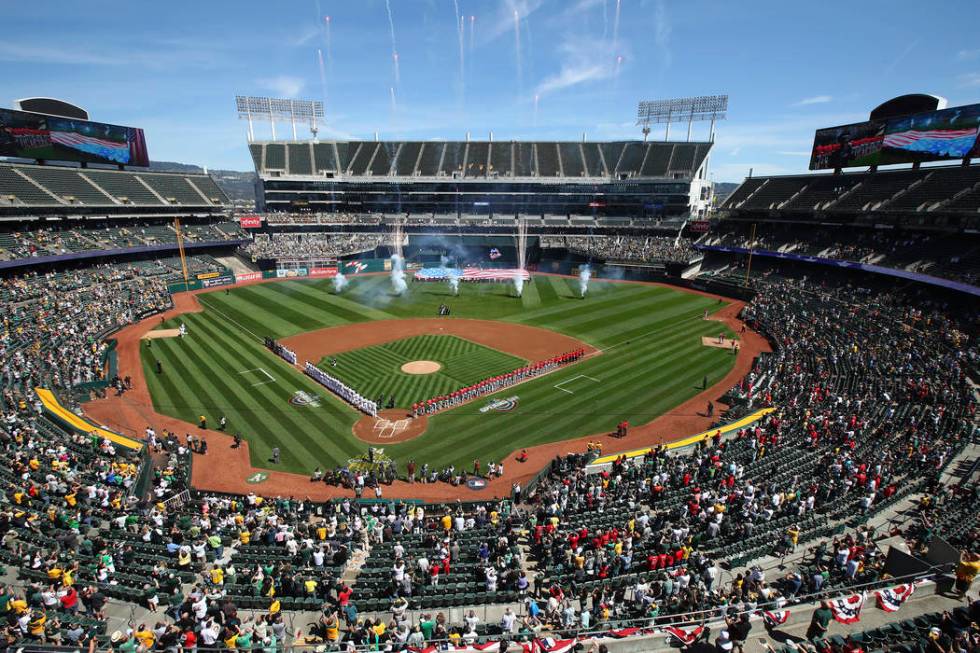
(584, 274)
(519, 282)
(451, 274)
(339, 282)
(398, 284)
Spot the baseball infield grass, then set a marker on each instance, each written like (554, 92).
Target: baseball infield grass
(652, 361)
(376, 371)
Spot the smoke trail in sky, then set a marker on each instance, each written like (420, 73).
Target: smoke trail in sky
(472, 38)
(394, 102)
(394, 46)
(517, 51)
(323, 74)
(616, 24)
(535, 115)
(605, 19)
(326, 25)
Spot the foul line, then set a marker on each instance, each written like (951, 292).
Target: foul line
(249, 332)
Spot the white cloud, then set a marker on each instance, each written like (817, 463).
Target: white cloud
(816, 99)
(52, 55)
(583, 60)
(503, 21)
(793, 153)
(286, 86)
(969, 80)
(968, 55)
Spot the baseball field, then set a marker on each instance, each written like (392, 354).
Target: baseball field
(646, 356)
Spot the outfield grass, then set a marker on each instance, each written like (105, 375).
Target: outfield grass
(652, 361)
(376, 371)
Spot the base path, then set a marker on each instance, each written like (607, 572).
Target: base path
(225, 469)
(527, 342)
(162, 333)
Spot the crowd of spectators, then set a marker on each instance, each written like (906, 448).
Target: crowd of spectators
(118, 234)
(642, 249)
(871, 404)
(310, 246)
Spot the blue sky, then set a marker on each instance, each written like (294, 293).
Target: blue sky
(478, 65)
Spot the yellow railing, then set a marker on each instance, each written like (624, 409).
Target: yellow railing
(50, 403)
(727, 428)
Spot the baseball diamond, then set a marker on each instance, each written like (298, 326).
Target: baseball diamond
(646, 358)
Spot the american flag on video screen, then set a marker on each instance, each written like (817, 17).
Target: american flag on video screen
(494, 253)
(937, 141)
(112, 150)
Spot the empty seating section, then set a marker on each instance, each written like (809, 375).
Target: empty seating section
(822, 189)
(658, 157)
(12, 183)
(359, 163)
(876, 188)
(501, 158)
(66, 183)
(683, 157)
(611, 153)
(381, 163)
(632, 159)
(743, 191)
(593, 160)
(123, 185)
(299, 159)
(255, 149)
(926, 190)
(431, 156)
(275, 156)
(174, 187)
(211, 190)
(345, 152)
(970, 202)
(571, 159)
(452, 160)
(476, 159)
(523, 160)
(547, 154)
(937, 186)
(408, 155)
(777, 191)
(324, 157)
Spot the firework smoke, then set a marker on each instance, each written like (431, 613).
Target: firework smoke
(584, 274)
(398, 284)
(340, 282)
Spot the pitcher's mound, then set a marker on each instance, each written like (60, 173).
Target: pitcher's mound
(421, 367)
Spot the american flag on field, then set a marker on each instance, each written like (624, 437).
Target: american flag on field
(494, 273)
(494, 254)
(945, 142)
(106, 149)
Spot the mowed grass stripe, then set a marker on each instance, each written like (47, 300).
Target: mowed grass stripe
(246, 314)
(338, 309)
(274, 398)
(608, 302)
(262, 404)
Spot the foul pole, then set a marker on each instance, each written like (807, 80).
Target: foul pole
(180, 248)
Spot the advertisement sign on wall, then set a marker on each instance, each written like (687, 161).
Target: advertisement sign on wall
(323, 272)
(225, 280)
(291, 273)
(250, 221)
(247, 276)
(208, 275)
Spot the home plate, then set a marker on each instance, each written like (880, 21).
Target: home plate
(721, 343)
(161, 333)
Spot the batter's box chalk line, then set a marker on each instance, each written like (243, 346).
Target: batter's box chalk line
(269, 377)
(387, 428)
(574, 378)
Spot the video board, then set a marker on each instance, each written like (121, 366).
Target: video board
(36, 136)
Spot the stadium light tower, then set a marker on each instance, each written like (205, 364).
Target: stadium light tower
(273, 110)
(686, 109)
